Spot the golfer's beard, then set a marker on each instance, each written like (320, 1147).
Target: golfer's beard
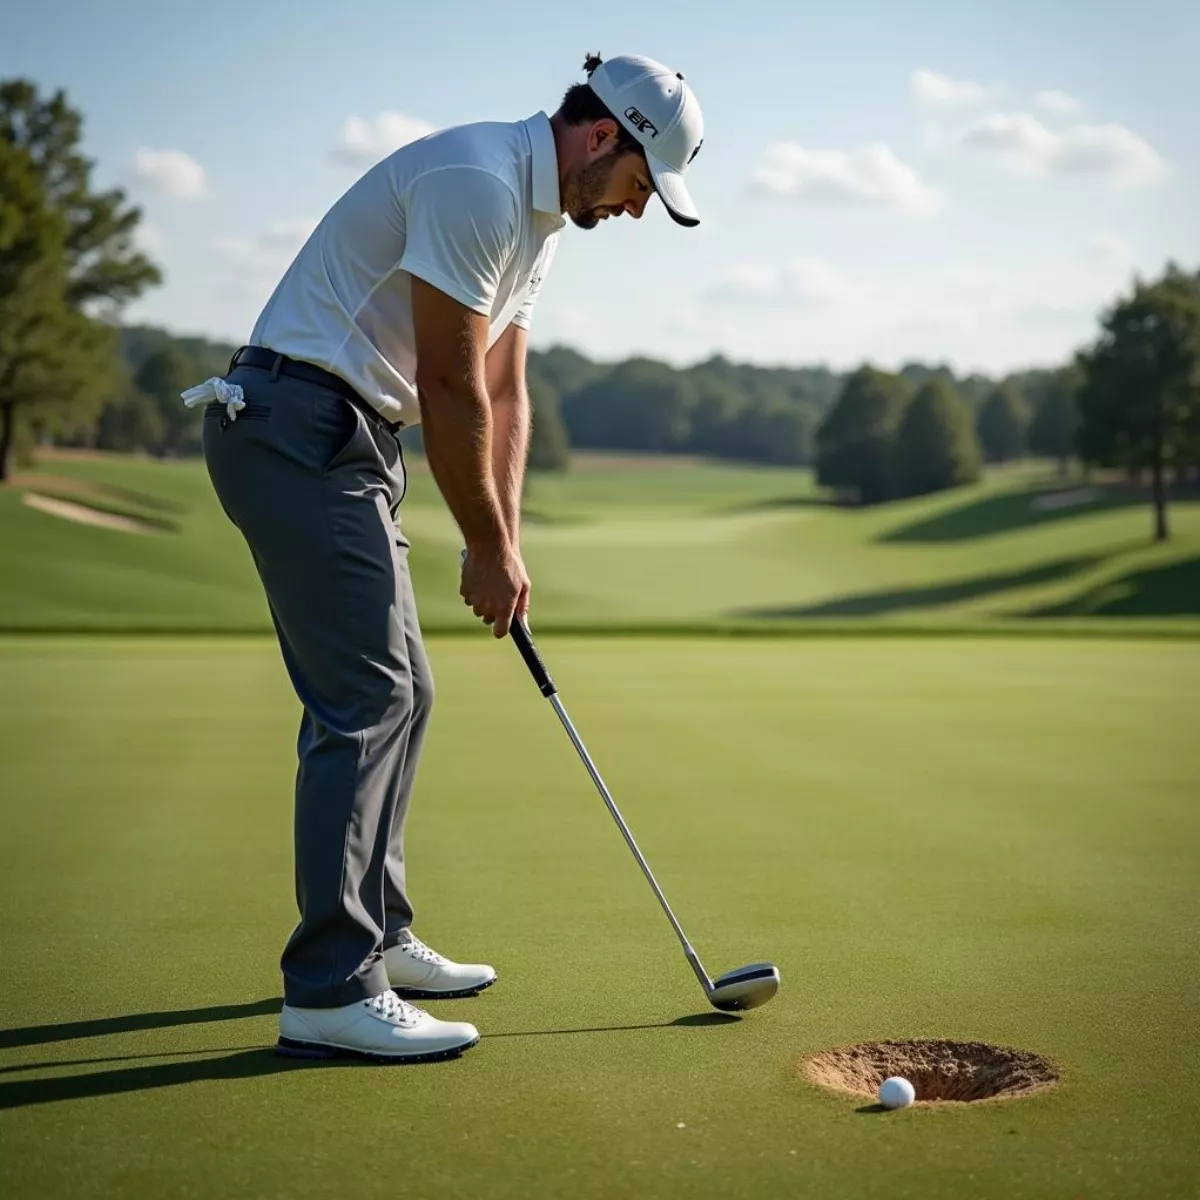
(584, 192)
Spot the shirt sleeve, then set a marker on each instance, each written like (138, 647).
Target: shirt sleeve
(461, 229)
(524, 316)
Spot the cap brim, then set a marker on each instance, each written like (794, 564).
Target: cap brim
(677, 200)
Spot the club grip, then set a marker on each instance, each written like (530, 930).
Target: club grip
(519, 632)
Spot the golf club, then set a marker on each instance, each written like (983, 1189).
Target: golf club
(743, 988)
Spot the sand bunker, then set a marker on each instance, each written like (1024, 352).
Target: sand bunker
(938, 1070)
(1072, 498)
(70, 511)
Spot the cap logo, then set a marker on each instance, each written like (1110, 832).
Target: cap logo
(696, 151)
(643, 124)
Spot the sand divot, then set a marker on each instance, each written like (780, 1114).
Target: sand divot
(939, 1070)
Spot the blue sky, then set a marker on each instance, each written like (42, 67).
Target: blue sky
(957, 182)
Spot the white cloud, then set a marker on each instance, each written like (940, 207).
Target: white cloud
(1054, 101)
(363, 143)
(171, 173)
(256, 263)
(1105, 248)
(1022, 138)
(940, 91)
(799, 282)
(1109, 152)
(869, 177)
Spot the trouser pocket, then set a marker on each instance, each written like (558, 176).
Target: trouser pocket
(339, 431)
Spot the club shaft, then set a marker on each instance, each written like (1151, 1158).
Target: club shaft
(577, 741)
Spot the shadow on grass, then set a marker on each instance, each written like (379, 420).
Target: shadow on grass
(696, 1019)
(60, 1064)
(773, 504)
(1019, 510)
(248, 1062)
(1172, 590)
(708, 1018)
(873, 604)
(870, 1108)
(143, 499)
(37, 1035)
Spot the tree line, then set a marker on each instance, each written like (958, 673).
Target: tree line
(717, 408)
(72, 373)
(887, 438)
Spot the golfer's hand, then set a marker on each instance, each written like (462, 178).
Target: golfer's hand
(496, 587)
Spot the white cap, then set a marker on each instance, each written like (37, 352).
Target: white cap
(661, 111)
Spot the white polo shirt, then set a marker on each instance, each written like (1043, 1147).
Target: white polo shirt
(473, 210)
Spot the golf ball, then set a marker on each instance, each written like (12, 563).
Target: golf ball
(896, 1092)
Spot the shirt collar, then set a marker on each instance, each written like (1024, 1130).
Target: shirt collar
(546, 197)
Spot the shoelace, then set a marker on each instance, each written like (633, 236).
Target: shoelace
(418, 949)
(389, 1006)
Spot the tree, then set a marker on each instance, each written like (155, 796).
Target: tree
(935, 446)
(32, 281)
(719, 407)
(139, 341)
(103, 266)
(1003, 424)
(772, 432)
(549, 449)
(564, 369)
(66, 257)
(854, 441)
(1139, 399)
(716, 407)
(1055, 422)
(638, 405)
(131, 422)
(50, 355)
(165, 373)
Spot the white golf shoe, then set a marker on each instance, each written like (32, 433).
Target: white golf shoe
(383, 1029)
(416, 971)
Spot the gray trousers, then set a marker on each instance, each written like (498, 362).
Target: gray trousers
(314, 485)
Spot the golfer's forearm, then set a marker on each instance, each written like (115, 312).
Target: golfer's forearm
(456, 427)
(510, 448)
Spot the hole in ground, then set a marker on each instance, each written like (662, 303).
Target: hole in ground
(938, 1070)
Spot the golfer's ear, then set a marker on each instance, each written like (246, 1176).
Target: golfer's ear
(451, 342)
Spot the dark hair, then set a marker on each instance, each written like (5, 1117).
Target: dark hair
(581, 106)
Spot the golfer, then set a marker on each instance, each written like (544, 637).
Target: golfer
(410, 303)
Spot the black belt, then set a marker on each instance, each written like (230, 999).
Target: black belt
(262, 359)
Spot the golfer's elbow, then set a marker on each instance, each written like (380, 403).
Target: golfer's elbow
(441, 388)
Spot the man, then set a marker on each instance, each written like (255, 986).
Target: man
(410, 303)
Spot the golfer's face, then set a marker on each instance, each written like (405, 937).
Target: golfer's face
(628, 191)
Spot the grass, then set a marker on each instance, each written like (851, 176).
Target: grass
(624, 543)
(973, 839)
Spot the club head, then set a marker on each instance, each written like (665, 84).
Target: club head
(746, 987)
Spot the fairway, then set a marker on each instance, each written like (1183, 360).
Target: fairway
(631, 542)
(977, 839)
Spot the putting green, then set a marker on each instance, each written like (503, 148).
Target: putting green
(973, 839)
